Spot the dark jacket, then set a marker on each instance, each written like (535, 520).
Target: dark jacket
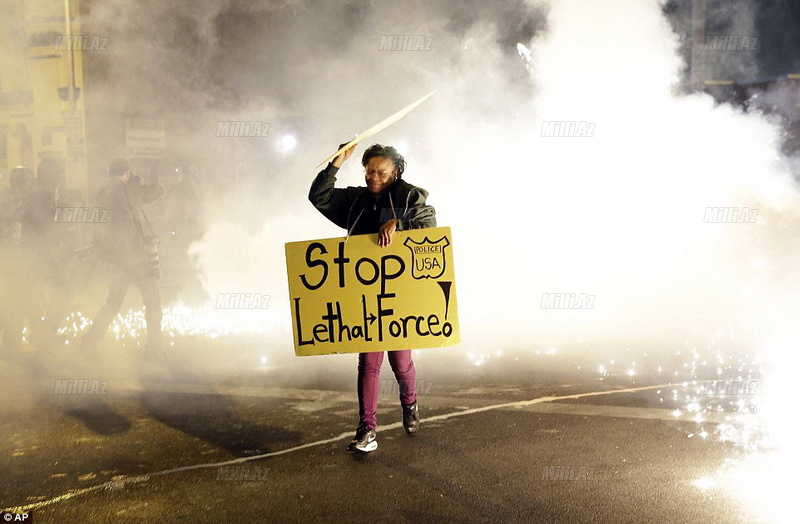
(356, 209)
(122, 237)
(12, 209)
(38, 230)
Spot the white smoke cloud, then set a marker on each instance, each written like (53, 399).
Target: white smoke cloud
(618, 215)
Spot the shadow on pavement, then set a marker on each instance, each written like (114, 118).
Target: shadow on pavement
(206, 414)
(100, 418)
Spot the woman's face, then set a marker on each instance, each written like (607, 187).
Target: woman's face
(379, 174)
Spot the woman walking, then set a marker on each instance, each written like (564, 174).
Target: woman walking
(385, 205)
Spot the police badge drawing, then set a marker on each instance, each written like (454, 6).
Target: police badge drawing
(352, 296)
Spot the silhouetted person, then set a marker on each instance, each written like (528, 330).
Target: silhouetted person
(12, 264)
(43, 242)
(12, 204)
(122, 245)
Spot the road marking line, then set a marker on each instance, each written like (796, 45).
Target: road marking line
(645, 413)
(121, 483)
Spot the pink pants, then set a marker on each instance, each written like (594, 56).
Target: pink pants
(369, 372)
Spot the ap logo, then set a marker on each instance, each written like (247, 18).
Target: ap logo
(428, 258)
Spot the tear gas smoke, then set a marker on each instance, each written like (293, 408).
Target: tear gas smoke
(617, 210)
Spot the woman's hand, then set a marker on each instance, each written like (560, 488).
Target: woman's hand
(386, 231)
(344, 155)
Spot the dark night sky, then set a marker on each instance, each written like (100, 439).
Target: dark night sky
(776, 24)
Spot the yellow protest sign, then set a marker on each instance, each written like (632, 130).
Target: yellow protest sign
(352, 296)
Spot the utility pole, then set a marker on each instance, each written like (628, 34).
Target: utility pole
(71, 87)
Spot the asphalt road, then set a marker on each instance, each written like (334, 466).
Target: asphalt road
(184, 442)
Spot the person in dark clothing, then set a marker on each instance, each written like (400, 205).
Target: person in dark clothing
(12, 263)
(387, 204)
(122, 246)
(21, 181)
(47, 252)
